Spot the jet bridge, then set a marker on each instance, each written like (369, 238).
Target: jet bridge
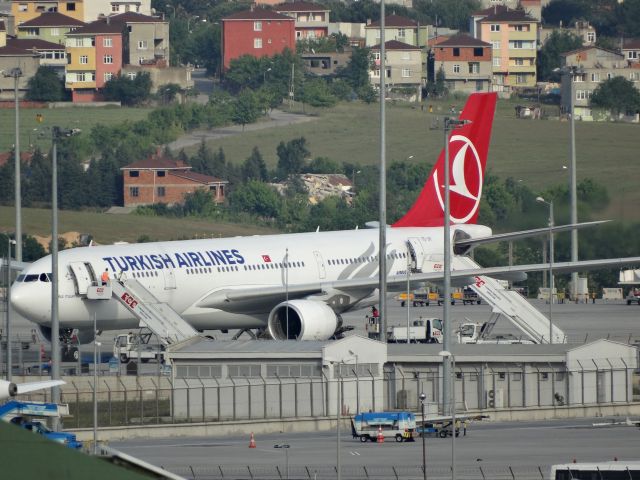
(153, 314)
(511, 305)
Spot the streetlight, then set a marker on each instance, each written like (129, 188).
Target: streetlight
(8, 290)
(56, 134)
(449, 125)
(264, 75)
(337, 375)
(445, 354)
(285, 446)
(570, 72)
(195, 17)
(96, 344)
(423, 398)
(16, 73)
(168, 5)
(550, 205)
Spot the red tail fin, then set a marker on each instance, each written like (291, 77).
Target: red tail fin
(468, 149)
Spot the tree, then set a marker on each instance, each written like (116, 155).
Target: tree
(128, 91)
(617, 95)
(256, 198)
(291, 157)
(46, 86)
(245, 72)
(254, 167)
(549, 56)
(168, 92)
(317, 93)
(357, 70)
(246, 108)
(438, 88)
(449, 13)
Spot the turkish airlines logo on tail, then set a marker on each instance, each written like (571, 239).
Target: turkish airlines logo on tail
(466, 180)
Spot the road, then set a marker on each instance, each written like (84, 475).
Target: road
(491, 445)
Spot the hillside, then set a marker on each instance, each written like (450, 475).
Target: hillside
(107, 228)
(533, 151)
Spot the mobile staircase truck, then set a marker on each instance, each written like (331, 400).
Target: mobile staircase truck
(400, 426)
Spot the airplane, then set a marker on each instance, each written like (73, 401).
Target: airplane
(292, 286)
(10, 389)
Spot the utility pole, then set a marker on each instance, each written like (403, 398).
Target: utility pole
(16, 73)
(382, 259)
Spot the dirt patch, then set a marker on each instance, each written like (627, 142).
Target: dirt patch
(71, 239)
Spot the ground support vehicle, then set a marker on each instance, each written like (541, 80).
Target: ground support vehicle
(418, 298)
(66, 438)
(438, 429)
(633, 296)
(400, 426)
(469, 296)
(477, 333)
(422, 330)
(134, 346)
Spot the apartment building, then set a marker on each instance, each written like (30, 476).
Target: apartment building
(311, 19)
(466, 63)
(396, 27)
(48, 26)
(25, 10)
(94, 9)
(403, 66)
(146, 40)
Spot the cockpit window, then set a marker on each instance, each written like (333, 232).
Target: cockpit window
(31, 278)
(20, 278)
(44, 277)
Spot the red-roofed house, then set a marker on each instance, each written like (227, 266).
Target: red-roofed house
(257, 32)
(631, 49)
(466, 62)
(163, 180)
(94, 56)
(403, 66)
(396, 27)
(312, 20)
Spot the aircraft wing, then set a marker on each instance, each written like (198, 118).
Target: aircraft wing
(254, 298)
(536, 232)
(9, 389)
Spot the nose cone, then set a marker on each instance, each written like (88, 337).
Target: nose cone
(29, 301)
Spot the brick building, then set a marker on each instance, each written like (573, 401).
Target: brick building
(256, 32)
(162, 180)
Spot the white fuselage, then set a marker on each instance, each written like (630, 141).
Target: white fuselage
(182, 273)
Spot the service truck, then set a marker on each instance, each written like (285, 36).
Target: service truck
(134, 346)
(400, 426)
(422, 330)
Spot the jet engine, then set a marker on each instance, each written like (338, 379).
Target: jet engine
(303, 320)
(8, 389)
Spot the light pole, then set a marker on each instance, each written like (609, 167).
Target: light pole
(8, 326)
(285, 446)
(446, 356)
(57, 134)
(16, 73)
(550, 205)
(382, 240)
(195, 17)
(95, 385)
(337, 375)
(168, 5)
(423, 398)
(264, 75)
(449, 125)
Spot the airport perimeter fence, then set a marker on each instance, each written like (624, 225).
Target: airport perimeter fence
(160, 400)
(352, 472)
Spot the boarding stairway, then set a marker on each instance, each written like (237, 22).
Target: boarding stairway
(510, 304)
(157, 316)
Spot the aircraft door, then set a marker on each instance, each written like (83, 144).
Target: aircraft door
(322, 272)
(83, 276)
(417, 250)
(169, 278)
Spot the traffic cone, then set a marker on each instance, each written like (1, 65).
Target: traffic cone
(252, 441)
(380, 436)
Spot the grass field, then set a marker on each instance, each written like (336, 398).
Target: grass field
(77, 117)
(533, 151)
(107, 228)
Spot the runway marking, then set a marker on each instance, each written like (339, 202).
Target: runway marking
(355, 453)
